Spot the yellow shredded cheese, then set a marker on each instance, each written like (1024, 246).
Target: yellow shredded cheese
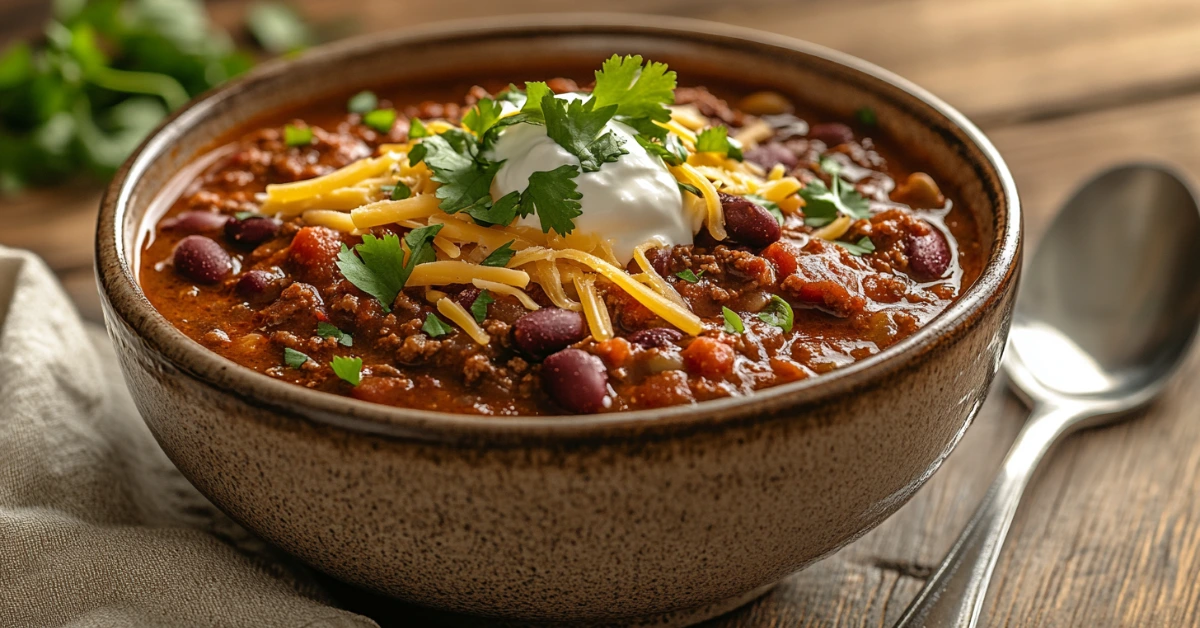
(340, 199)
(716, 215)
(324, 184)
(777, 172)
(446, 272)
(529, 255)
(753, 133)
(463, 319)
(835, 229)
(654, 279)
(780, 189)
(500, 288)
(551, 282)
(387, 212)
(594, 310)
(433, 296)
(329, 218)
(670, 311)
(462, 231)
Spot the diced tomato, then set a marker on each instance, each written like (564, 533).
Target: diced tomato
(787, 371)
(614, 351)
(314, 253)
(782, 256)
(708, 357)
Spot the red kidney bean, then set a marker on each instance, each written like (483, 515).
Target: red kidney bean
(772, 153)
(660, 260)
(749, 223)
(466, 296)
(832, 133)
(195, 222)
(200, 259)
(542, 332)
(256, 285)
(253, 231)
(656, 337)
(928, 255)
(577, 381)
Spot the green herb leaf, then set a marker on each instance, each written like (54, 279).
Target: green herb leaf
(639, 92)
(822, 205)
(434, 327)
(501, 256)
(778, 313)
(554, 196)
(689, 188)
(380, 119)
(379, 268)
(733, 322)
(671, 150)
(416, 129)
(278, 28)
(466, 181)
(502, 212)
(363, 102)
(482, 117)
(535, 93)
(689, 276)
(831, 166)
(326, 330)
(297, 135)
(866, 115)
(294, 358)
(397, 192)
(479, 306)
(576, 126)
(715, 139)
(862, 247)
(246, 215)
(349, 369)
(513, 94)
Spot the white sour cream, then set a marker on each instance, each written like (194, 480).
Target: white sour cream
(629, 201)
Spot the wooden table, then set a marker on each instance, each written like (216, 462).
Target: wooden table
(1109, 533)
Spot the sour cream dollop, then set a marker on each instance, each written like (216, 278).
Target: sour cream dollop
(629, 202)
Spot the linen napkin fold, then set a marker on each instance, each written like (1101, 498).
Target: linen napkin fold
(97, 527)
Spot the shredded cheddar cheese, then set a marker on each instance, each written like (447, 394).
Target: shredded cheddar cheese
(463, 319)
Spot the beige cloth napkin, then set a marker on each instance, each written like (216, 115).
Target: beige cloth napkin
(97, 528)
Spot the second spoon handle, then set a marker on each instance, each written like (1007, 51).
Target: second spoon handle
(953, 596)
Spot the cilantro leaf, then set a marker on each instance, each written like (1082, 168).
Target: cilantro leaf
(671, 150)
(689, 188)
(554, 196)
(535, 92)
(576, 126)
(397, 192)
(325, 330)
(416, 129)
(349, 369)
(513, 94)
(769, 205)
(689, 276)
(830, 165)
(866, 115)
(778, 313)
(434, 327)
(733, 322)
(294, 358)
(380, 119)
(482, 117)
(420, 247)
(362, 102)
(715, 139)
(638, 91)
(379, 268)
(822, 204)
(466, 181)
(479, 306)
(500, 256)
(502, 212)
(297, 135)
(858, 249)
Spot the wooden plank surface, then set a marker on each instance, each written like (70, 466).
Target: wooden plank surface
(1109, 533)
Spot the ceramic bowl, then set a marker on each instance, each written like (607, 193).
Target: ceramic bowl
(652, 517)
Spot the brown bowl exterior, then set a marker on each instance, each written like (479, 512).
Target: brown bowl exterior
(610, 518)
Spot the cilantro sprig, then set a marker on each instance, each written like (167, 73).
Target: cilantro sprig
(501, 256)
(379, 268)
(326, 330)
(348, 369)
(576, 126)
(823, 204)
(434, 327)
(715, 139)
(857, 249)
(778, 313)
(733, 322)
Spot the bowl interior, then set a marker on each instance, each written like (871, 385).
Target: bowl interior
(535, 47)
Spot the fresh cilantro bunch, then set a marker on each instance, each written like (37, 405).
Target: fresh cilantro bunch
(823, 204)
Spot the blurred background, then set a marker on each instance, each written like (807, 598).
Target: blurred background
(1062, 87)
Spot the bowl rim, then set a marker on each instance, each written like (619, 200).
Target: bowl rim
(124, 300)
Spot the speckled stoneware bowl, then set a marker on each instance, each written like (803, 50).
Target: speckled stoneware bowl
(661, 517)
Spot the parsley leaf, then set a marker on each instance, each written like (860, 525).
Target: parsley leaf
(349, 369)
(294, 358)
(297, 135)
(639, 92)
(380, 119)
(397, 192)
(466, 181)
(325, 330)
(778, 313)
(362, 102)
(715, 139)
(689, 276)
(576, 126)
(379, 268)
(862, 247)
(554, 196)
(482, 117)
(822, 205)
(502, 212)
(434, 327)
(733, 322)
(479, 306)
(416, 129)
(671, 150)
(500, 256)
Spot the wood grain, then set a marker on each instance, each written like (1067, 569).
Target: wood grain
(1109, 533)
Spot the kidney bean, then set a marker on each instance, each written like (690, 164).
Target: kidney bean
(577, 381)
(545, 331)
(655, 337)
(200, 259)
(928, 255)
(466, 296)
(749, 223)
(253, 231)
(195, 222)
(772, 153)
(832, 133)
(257, 285)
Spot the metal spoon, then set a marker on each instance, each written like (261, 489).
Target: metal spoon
(1108, 309)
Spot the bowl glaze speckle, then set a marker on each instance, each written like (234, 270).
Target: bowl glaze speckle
(658, 517)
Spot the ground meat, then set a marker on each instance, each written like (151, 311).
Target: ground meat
(299, 307)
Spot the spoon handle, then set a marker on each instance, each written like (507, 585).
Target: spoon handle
(953, 596)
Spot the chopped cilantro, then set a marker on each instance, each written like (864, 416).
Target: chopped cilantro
(482, 117)
(349, 369)
(866, 115)
(502, 212)
(641, 93)
(715, 139)
(479, 306)
(822, 205)
(245, 215)
(294, 358)
(380, 119)
(831, 166)
(500, 256)
(416, 129)
(362, 102)
(297, 135)
(769, 205)
(671, 150)
(733, 322)
(434, 327)
(689, 276)
(397, 192)
(576, 126)
(535, 93)
(466, 180)
(554, 196)
(858, 249)
(325, 330)
(778, 313)
(379, 268)
(512, 94)
(689, 188)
